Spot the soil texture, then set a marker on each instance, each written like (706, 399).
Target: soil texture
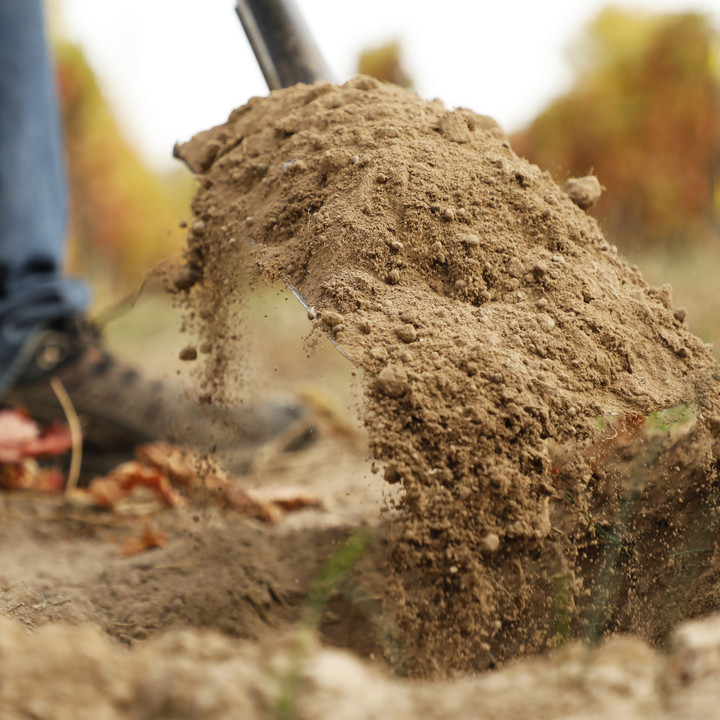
(498, 332)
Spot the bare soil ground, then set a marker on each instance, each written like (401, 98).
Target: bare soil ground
(210, 625)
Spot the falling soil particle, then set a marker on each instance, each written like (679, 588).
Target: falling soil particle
(532, 330)
(190, 353)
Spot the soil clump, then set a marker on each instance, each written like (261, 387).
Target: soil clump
(511, 362)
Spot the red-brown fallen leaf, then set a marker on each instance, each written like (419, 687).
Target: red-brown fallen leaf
(286, 499)
(149, 539)
(21, 438)
(28, 475)
(107, 491)
(169, 469)
(234, 497)
(188, 472)
(184, 469)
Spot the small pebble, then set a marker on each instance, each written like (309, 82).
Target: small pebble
(395, 245)
(198, 227)
(185, 278)
(391, 475)
(448, 214)
(546, 322)
(462, 213)
(471, 240)
(311, 313)
(497, 378)
(491, 542)
(410, 316)
(381, 178)
(188, 353)
(393, 277)
(407, 333)
(680, 314)
(515, 268)
(205, 347)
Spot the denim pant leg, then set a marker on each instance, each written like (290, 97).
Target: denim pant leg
(33, 192)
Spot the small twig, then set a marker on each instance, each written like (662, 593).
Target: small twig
(75, 433)
(57, 603)
(688, 552)
(127, 303)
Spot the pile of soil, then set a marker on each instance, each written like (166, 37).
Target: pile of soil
(496, 328)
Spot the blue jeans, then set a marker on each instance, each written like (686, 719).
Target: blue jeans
(34, 294)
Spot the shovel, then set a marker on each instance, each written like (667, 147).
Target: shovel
(282, 43)
(287, 55)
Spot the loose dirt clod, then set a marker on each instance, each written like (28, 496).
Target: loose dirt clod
(583, 191)
(189, 353)
(533, 331)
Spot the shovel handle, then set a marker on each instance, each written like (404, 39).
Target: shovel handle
(282, 43)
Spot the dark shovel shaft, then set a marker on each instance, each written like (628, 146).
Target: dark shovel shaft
(282, 43)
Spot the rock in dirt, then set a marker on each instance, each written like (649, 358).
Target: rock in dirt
(508, 348)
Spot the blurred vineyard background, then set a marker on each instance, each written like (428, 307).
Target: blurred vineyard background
(643, 114)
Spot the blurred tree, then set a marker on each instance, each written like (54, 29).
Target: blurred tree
(124, 218)
(385, 63)
(644, 115)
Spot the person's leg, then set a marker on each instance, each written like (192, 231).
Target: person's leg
(42, 331)
(33, 195)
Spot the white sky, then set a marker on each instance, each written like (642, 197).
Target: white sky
(174, 67)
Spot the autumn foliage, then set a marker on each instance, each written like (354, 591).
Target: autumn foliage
(124, 217)
(385, 63)
(644, 116)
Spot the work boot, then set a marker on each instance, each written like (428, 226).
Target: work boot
(119, 408)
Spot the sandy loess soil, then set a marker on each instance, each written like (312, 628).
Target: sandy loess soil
(541, 462)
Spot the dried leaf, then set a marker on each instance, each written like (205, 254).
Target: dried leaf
(21, 438)
(167, 469)
(28, 475)
(286, 499)
(149, 539)
(107, 491)
(184, 469)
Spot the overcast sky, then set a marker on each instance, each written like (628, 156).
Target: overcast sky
(174, 67)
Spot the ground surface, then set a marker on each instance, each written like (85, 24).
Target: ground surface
(209, 626)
